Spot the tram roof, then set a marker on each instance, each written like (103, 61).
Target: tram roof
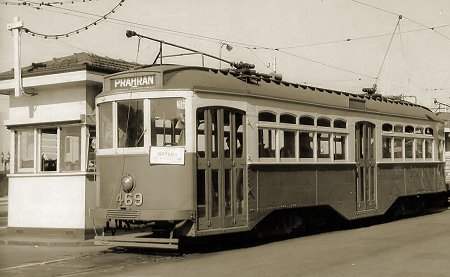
(249, 83)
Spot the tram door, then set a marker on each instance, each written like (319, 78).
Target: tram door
(221, 164)
(365, 166)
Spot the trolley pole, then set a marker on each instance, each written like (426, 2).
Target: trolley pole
(16, 27)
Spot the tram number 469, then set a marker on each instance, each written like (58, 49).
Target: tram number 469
(130, 199)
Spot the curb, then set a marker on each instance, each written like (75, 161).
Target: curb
(31, 242)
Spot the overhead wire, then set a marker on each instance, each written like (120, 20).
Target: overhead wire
(245, 45)
(76, 31)
(406, 17)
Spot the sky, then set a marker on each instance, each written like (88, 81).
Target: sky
(343, 45)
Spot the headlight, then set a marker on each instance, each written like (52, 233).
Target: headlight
(127, 183)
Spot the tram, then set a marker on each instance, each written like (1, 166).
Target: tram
(445, 116)
(185, 151)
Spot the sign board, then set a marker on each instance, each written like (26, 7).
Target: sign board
(133, 82)
(167, 155)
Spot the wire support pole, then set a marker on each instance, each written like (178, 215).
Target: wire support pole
(387, 50)
(130, 34)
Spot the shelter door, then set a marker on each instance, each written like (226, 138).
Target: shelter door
(221, 168)
(365, 166)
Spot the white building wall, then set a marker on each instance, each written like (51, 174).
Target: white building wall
(47, 202)
(4, 133)
(50, 104)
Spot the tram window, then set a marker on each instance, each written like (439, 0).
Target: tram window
(306, 120)
(324, 122)
(240, 191)
(239, 129)
(70, 148)
(130, 123)
(287, 144)
(323, 145)
(215, 193)
(387, 142)
(287, 118)
(49, 149)
(339, 147)
(338, 123)
(214, 135)
(201, 142)
(398, 148)
(228, 192)
(266, 143)
(409, 129)
(447, 142)
(387, 127)
(428, 131)
(306, 144)
(167, 122)
(398, 129)
(409, 142)
(267, 116)
(201, 197)
(105, 126)
(25, 150)
(428, 149)
(419, 148)
(419, 130)
(227, 133)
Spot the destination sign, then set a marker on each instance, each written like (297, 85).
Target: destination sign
(167, 155)
(133, 82)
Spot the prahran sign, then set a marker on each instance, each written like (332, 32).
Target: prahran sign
(133, 82)
(167, 155)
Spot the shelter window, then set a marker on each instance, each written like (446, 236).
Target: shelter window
(49, 149)
(56, 149)
(70, 148)
(387, 127)
(307, 120)
(338, 123)
(267, 116)
(25, 150)
(323, 122)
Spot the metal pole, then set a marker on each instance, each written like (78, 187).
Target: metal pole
(16, 27)
(133, 33)
(160, 52)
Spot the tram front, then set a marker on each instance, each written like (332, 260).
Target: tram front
(146, 162)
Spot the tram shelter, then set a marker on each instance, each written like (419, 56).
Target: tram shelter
(52, 124)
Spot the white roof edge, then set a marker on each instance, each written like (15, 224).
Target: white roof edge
(52, 79)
